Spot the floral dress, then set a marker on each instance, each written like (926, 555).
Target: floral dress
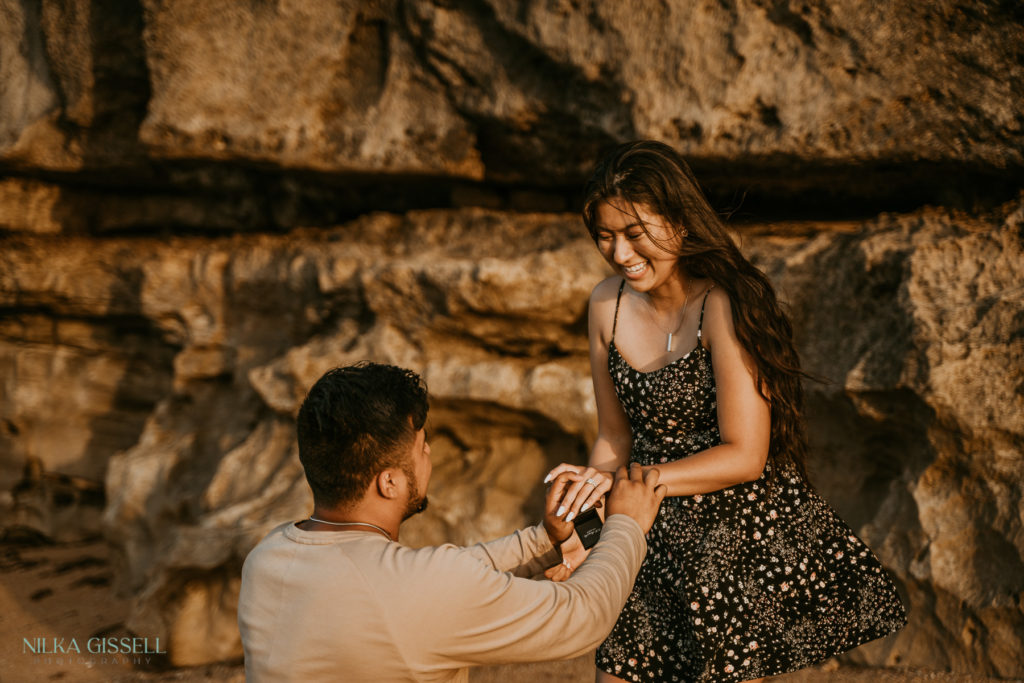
(744, 582)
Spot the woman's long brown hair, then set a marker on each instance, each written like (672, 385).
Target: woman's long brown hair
(653, 174)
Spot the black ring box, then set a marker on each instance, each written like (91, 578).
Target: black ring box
(588, 527)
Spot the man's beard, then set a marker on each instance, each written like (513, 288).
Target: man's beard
(416, 503)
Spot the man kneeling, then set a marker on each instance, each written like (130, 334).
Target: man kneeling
(337, 597)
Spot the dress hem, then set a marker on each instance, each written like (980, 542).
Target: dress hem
(865, 637)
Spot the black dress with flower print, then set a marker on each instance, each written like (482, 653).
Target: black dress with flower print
(743, 582)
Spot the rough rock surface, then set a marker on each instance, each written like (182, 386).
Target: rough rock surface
(917, 437)
(917, 324)
(814, 80)
(510, 91)
(189, 236)
(311, 84)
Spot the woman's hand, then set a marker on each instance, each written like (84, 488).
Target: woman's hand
(588, 486)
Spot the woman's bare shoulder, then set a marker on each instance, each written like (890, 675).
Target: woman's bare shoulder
(716, 314)
(716, 297)
(602, 306)
(605, 292)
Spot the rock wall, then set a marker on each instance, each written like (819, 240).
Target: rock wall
(915, 321)
(205, 206)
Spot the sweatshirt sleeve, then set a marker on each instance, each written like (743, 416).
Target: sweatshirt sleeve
(476, 615)
(523, 553)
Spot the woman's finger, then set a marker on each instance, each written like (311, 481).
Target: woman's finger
(564, 467)
(568, 501)
(580, 492)
(599, 492)
(557, 490)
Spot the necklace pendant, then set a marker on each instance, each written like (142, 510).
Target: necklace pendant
(668, 344)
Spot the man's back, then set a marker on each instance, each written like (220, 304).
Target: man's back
(351, 605)
(306, 605)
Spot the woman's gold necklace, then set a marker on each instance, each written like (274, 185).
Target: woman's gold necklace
(682, 317)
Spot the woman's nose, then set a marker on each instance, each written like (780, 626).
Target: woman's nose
(623, 250)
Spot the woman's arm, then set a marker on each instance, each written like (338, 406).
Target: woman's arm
(744, 421)
(614, 438)
(744, 418)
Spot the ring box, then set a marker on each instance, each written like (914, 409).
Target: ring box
(588, 527)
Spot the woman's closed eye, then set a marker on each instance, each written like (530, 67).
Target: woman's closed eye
(610, 237)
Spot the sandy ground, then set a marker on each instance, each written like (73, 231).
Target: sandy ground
(53, 594)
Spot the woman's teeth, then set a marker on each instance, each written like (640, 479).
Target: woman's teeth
(635, 269)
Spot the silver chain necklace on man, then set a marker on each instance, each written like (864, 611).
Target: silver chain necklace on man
(682, 317)
(372, 526)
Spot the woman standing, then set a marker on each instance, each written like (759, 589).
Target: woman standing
(749, 572)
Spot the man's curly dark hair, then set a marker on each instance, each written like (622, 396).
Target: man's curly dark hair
(357, 421)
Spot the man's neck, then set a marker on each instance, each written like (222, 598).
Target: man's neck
(357, 518)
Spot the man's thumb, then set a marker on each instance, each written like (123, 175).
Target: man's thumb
(660, 491)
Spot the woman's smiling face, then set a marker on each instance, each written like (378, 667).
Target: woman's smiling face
(637, 244)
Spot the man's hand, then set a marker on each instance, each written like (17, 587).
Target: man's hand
(636, 494)
(558, 529)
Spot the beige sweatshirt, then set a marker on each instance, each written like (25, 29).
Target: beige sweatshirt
(353, 606)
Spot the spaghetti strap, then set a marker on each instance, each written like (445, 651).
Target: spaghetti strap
(700, 322)
(615, 320)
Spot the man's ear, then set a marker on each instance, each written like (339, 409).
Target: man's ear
(389, 482)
